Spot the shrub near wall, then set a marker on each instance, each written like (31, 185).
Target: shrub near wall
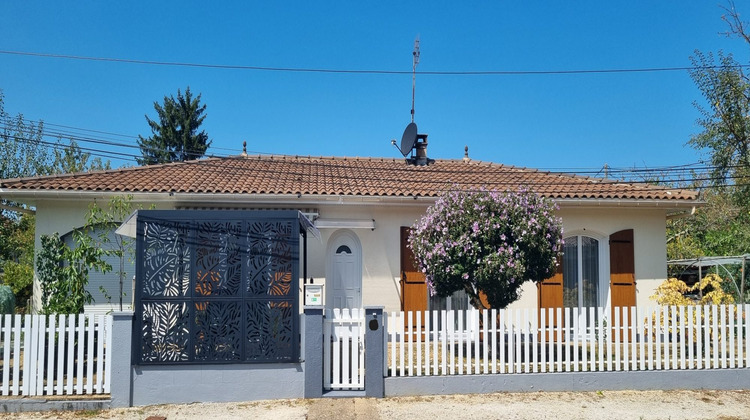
(675, 292)
(7, 300)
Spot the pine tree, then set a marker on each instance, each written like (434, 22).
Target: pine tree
(175, 136)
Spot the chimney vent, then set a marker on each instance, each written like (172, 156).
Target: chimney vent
(420, 146)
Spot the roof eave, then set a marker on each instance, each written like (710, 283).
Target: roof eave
(31, 197)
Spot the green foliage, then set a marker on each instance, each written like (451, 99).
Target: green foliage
(25, 153)
(487, 243)
(71, 159)
(20, 278)
(725, 121)
(63, 272)
(7, 300)
(717, 229)
(17, 235)
(175, 136)
(17, 256)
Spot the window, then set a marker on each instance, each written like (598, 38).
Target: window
(106, 288)
(580, 272)
(458, 301)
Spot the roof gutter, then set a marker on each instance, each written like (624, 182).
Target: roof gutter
(187, 198)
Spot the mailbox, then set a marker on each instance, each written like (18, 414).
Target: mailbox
(314, 294)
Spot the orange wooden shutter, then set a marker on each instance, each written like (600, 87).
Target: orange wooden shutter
(622, 272)
(550, 295)
(413, 284)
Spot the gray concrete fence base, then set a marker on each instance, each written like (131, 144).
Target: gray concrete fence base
(727, 379)
(22, 405)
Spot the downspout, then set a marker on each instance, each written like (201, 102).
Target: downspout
(304, 260)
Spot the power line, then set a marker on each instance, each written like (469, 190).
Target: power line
(669, 174)
(697, 166)
(370, 71)
(432, 183)
(73, 135)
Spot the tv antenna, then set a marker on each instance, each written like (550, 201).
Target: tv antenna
(411, 141)
(415, 61)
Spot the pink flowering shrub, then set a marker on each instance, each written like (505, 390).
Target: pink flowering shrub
(487, 241)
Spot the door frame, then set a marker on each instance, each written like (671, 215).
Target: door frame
(350, 239)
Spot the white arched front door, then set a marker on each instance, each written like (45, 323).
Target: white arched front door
(344, 271)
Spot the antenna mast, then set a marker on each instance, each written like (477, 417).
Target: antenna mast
(414, 74)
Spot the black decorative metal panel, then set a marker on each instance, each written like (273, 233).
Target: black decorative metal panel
(165, 332)
(217, 287)
(269, 263)
(218, 331)
(218, 264)
(166, 260)
(269, 330)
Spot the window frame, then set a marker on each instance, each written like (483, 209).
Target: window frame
(603, 260)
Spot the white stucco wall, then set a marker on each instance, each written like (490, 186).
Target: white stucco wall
(381, 250)
(649, 230)
(63, 216)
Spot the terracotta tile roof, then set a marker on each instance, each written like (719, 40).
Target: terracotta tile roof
(340, 176)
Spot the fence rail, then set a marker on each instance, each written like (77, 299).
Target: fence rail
(568, 340)
(55, 355)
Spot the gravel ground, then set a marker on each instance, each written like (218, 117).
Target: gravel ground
(605, 405)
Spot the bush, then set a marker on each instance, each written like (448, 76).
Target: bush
(674, 292)
(20, 278)
(7, 300)
(487, 243)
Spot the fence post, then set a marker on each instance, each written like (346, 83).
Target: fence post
(374, 352)
(313, 332)
(122, 334)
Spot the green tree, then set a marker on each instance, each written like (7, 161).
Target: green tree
(175, 136)
(72, 159)
(725, 116)
(722, 226)
(24, 150)
(25, 154)
(725, 119)
(718, 228)
(63, 271)
(17, 251)
(487, 243)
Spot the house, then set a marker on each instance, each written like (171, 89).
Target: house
(615, 251)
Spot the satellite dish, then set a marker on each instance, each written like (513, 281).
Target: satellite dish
(409, 138)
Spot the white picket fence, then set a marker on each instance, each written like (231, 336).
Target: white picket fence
(344, 349)
(55, 355)
(589, 339)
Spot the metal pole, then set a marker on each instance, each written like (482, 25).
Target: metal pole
(742, 281)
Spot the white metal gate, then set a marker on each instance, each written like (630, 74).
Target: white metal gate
(344, 349)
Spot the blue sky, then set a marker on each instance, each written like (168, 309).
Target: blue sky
(572, 121)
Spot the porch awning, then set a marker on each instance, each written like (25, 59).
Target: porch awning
(128, 227)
